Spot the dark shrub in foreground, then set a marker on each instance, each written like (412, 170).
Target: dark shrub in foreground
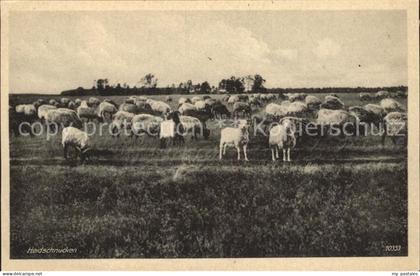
(212, 211)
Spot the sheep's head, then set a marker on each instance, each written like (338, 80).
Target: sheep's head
(289, 125)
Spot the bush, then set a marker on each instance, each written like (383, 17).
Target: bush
(213, 211)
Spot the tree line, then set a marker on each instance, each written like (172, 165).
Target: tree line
(148, 85)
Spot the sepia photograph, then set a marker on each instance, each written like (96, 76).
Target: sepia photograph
(207, 133)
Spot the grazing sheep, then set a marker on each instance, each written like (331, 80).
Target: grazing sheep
(297, 97)
(106, 110)
(111, 102)
(28, 110)
(64, 101)
(202, 115)
(366, 115)
(145, 124)
(374, 108)
(25, 113)
(86, 112)
(225, 98)
(144, 107)
(395, 126)
(401, 94)
(142, 98)
(276, 110)
(282, 136)
(130, 100)
(219, 110)
(233, 99)
(331, 116)
(194, 126)
(77, 102)
(365, 96)
(186, 106)
(128, 107)
(53, 102)
(121, 120)
(339, 119)
(62, 117)
(159, 106)
(93, 101)
(211, 102)
(76, 138)
(333, 95)
(183, 100)
(254, 102)
(242, 107)
(313, 102)
(271, 96)
(262, 123)
(298, 109)
(71, 105)
(332, 102)
(38, 103)
(43, 110)
(391, 105)
(382, 94)
(234, 136)
(196, 99)
(201, 105)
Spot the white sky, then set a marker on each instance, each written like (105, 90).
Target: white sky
(55, 51)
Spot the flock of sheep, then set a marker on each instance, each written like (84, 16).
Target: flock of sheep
(140, 115)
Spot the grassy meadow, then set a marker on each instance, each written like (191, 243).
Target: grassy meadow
(338, 197)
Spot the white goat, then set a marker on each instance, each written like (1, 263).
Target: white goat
(282, 136)
(235, 137)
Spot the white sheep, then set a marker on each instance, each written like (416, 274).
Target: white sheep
(194, 126)
(275, 109)
(235, 137)
(145, 124)
(391, 105)
(282, 136)
(159, 106)
(26, 109)
(84, 111)
(43, 110)
(186, 106)
(121, 120)
(106, 109)
(196, 99)
(200, 105)
(183, 100)
(77, 138)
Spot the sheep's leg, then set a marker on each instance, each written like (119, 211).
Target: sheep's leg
(277, 151)
(220, 151)
(272, 154)
(288, 154)
(239, 152)
(65, 151)
(383, 137)
(244, 149)
(284, 155)
(224, 149)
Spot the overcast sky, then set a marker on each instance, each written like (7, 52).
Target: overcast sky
(55, 51)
